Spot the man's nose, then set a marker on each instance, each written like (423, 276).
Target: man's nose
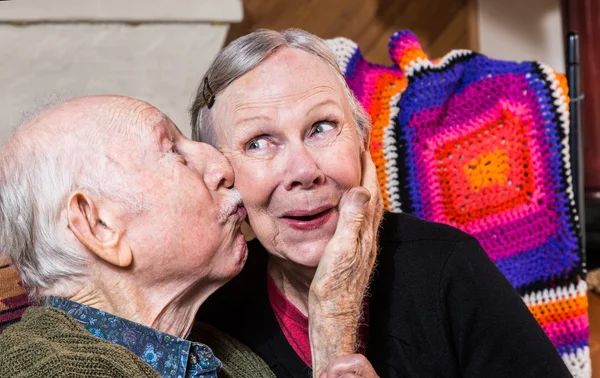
(213, 166)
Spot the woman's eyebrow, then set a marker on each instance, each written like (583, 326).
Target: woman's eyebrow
(250, 119)
(329, 103)
(246, 127)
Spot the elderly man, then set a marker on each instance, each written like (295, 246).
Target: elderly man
(124, 227)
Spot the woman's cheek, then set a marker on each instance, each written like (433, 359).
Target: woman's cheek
(253, 181)
(343, 166)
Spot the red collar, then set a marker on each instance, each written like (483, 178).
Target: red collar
(294, 324)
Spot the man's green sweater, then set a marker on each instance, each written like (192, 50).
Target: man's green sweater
(49, 343)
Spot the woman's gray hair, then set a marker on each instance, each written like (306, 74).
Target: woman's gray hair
(248, 52)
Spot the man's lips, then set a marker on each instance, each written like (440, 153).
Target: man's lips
(306, 220)
(233, 208)
(239, 212)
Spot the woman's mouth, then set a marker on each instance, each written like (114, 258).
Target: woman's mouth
(306, 220)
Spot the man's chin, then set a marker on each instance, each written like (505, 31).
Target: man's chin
(240, 254)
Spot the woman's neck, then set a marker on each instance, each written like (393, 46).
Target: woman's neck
(293, 281)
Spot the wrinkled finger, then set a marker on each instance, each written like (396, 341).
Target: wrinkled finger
(352, 214)
(341, 251)
(371, 182)
(369, 174)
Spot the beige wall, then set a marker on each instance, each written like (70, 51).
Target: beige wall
(522, 30)
(69, 48)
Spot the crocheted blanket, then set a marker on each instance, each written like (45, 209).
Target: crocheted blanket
(482, 145)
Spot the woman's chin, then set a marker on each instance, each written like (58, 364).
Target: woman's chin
(307, 254)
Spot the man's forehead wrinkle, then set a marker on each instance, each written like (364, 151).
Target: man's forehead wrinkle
(141, 127)
(87, 108)
(135, 116)
(108, 121)
(95, 121)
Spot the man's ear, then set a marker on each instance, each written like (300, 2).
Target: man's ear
(96, 226)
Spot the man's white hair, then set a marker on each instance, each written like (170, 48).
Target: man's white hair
(38, 172)
(248, 52)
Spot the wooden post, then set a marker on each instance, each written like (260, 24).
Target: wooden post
(582, 16)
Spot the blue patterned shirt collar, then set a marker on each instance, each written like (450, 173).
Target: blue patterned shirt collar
(170, 356)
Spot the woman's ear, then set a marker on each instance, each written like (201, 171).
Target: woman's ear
(96, 226)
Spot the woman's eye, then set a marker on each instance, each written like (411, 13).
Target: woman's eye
(322, 127)
(257, 144)
(173, 150)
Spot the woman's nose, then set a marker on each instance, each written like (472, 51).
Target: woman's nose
(302, 171)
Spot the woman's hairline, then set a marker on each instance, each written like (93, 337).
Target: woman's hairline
(270, 42)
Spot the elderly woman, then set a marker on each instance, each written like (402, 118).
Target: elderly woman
(276, 104)
(125, 227)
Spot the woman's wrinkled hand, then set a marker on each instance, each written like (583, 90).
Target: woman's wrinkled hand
(348, 259)
(338, 288)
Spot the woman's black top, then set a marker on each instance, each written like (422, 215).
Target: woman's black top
(438, 307)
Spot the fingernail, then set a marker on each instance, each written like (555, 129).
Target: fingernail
(361, 198)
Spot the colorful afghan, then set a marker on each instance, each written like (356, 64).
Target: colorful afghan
(482, 145)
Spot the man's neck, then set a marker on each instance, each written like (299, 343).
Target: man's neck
(170, 310)
(293, 281)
